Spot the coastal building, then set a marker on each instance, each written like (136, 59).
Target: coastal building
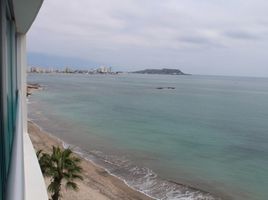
(68, 70)
(100, 70)
(36, 70)
(20, 174)
(104, 70)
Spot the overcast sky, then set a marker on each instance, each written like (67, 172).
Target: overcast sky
(221, 37)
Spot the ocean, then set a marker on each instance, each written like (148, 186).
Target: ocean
(205, 139)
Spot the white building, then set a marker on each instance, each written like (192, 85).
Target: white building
(104, 69)
(20, 174)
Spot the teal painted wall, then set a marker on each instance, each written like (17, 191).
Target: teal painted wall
(8, 89)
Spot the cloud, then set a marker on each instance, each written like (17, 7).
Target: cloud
(138, 33)
(243, 35)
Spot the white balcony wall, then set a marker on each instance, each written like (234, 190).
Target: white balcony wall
(35, 187)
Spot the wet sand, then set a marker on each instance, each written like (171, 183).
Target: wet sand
(98, 184)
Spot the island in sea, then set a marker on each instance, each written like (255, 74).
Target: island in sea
(161, 71)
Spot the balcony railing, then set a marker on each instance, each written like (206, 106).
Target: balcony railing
(15, 186)
(25, 180)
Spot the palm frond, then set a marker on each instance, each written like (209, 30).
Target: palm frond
(60, 165)
(71, 185)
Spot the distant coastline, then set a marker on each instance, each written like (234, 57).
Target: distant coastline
(102, 70)
(69, 70)
(164, 71)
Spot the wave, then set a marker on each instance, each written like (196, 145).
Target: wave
(139, 178)
(142, 179)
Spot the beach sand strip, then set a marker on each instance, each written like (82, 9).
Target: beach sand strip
(98, 184)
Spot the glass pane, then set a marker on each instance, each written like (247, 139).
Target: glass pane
(8, 96)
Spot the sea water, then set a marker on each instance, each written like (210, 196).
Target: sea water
(205, 139)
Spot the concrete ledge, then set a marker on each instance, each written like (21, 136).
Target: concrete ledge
(25, 12)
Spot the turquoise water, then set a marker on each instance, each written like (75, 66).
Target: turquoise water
(210, 133)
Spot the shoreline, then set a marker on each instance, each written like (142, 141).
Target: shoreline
(114, 187)
(31, 88)
(98, 183)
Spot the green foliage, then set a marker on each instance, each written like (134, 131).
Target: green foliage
(62, 167)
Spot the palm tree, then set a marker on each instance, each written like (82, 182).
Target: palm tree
(61, 166)
(44, 160)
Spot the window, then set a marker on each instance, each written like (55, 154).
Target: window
(8, 87)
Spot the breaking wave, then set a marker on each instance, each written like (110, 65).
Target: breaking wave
(142, 179)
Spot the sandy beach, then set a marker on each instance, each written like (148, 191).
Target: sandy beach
(98, 184)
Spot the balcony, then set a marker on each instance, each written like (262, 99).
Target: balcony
(25, 181)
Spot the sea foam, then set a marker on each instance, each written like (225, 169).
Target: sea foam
(141, 179)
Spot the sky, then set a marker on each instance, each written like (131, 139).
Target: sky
(223, 37)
